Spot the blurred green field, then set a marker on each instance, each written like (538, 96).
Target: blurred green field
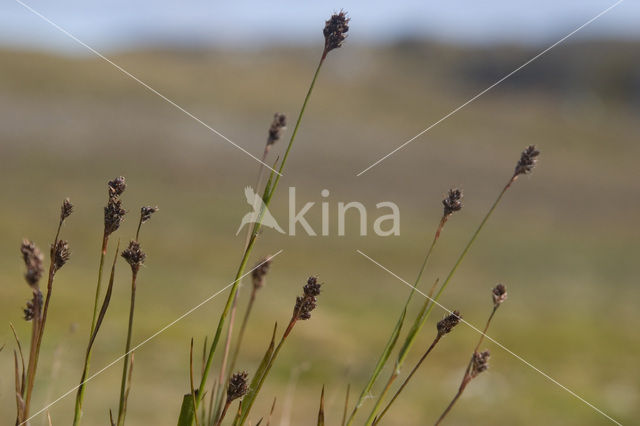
(564, 241)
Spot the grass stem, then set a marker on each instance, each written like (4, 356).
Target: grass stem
(85, 370)
(125, 367)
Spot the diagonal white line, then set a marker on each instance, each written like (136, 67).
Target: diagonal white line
(491, 87)
(162, 330)
(142, 83)
(518, 357)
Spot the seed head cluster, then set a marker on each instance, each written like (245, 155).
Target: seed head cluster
(259, 273)
(134, 256)
(446, 324)
(33, 305)
(453, 202)
(308, 301)
(61, 254)
(499, 294)
(66, 209)
(113, 212)
(278, 125)
(335, 31)
(479, 363)
(527, 162)
(117, 187)
(32, 257)
(146, 212)
(237, 386)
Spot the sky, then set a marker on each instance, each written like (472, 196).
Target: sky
(124, 24)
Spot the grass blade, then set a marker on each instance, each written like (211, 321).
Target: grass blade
(321, 411)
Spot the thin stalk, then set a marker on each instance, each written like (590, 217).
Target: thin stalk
(193, 392)
(103, 253)
(253, 238)
(224, 413)
(225, 357)
(346, 406)
(424, 356)
(125, 368)
(80, 395)
(35, 331)
(243, 327)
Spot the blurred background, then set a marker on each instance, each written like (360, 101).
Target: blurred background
(564, 241)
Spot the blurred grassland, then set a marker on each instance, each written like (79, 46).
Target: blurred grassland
(564, 241)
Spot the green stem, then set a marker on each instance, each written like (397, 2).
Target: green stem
(298, 121)
(243, 327)
(125, 367)
(80, 395)
(251, 243)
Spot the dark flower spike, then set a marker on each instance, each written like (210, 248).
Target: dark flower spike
(259, 273)
(479, 363)
(445, 325)
(453, 202)
(61, 254)
(306, 303)
(117, 187)
(312, 287)
(134, 256)
(30, 310)
(499, 294)
(66, 209)
(33, 261)
(277, 126)
(527, 162)
(146, 212)
(335, 31)
(237, 386)
(113, 216)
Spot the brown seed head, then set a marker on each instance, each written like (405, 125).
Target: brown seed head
(113, 216)
(446, 324)
(33, 261)
(499, 294)
(237, 386)
(453, 202)
(32, 305)
(308, 301)
(146, 212)
(312, 287)
(66, 209)
(259, 273)
(277, 127)
(61, 254)
(134, 256)
(117, 187)
(335, 31)
(480, 363)
(527, 162)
